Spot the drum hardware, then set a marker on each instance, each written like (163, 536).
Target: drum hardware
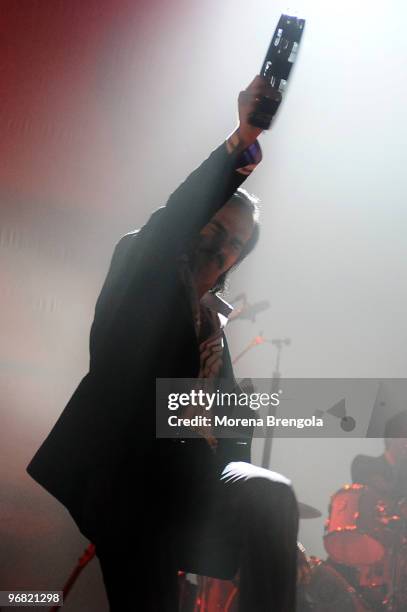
(326, 590)
(396, 598)
(304, 566)
(402, 508)
(367, 534)
(362, 525)
(308, 512)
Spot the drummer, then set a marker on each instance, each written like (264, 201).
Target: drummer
(388, 472)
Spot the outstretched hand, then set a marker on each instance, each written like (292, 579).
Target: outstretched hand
(248, 102)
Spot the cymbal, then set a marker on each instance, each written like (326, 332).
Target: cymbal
(308, 512)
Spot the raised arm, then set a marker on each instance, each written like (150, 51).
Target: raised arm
(212, 184)
(139, 255)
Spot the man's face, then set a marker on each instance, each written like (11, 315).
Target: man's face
(220, 244)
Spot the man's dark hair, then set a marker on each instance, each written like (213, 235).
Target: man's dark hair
(396, 427)
(243, 199)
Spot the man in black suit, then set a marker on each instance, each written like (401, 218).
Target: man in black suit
(388, 472)
(158, 316)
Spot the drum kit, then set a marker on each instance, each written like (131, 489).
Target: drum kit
(366, 569)
(366, 540)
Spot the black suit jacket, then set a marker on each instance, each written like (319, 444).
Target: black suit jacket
(142, 329)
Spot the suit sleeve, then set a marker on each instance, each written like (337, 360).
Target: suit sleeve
(171, 228)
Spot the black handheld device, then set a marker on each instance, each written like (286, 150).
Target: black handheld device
(276, 67)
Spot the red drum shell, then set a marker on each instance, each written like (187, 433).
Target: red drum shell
(356, 532)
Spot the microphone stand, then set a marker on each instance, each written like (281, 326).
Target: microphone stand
(279, 343)
(392, 603)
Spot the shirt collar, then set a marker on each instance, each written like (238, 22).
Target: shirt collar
(214, 302)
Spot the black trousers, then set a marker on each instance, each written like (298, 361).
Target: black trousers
(210, 521)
